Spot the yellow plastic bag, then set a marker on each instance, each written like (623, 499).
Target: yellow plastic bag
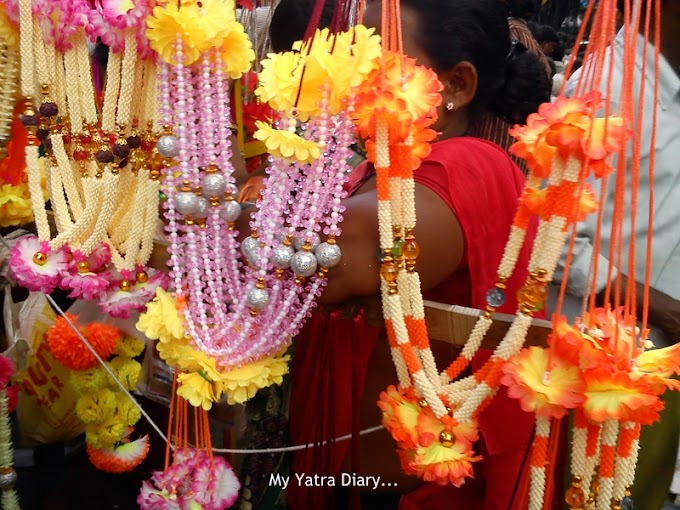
(46, 411)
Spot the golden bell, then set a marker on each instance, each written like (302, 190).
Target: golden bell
(40, 259)
(446, 439)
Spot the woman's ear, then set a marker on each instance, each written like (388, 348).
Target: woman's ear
(460, 85)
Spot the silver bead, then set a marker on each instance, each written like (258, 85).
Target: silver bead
(250, 249)
(168, 146)
(213, 185)
(328, 255)
(282, 256)
(258, 298)
(307, 235)
(202, 207)
(230, 211)
(304, 263)
(8, 480)
(186, 203)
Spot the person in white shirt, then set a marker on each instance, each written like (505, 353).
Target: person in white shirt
(660, 442)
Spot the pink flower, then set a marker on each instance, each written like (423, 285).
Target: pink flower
(61, 19)
(89, 286)
(37, 277)
(12, 398)
(219, 485)
(111, 18)
(6, 370)
(12, 10)
(121, 304)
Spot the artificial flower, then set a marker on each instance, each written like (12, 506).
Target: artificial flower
(167, 22)
(15, 205)
(664, 362)
(127, 371)
(29, 271)
(162, 320)
(105, 434)
(6, 370)
(129, 346)
(119, 458)
(620, 397)
(442, 464)
(278, 84)
(172, 351)
(9, 23)
(89, 380)
(67, 347)
(236, 51)
(88, 286)
(195, 480)
(241, 384)
(126, 410)
(287, 144)
(429, 429)
(200, 382)
(62, 20)
(96, 260)
(96, 407)
(543, 383)
(400, 416)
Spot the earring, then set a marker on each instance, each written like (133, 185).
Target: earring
(450, 106)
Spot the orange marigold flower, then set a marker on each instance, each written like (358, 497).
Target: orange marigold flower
(400, 416)
(67, 347)
(621, 397)
(544, 384)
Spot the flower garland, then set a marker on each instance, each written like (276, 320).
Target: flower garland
(235, 327)
(101, 171)
(8, 401)
(108, 414)
(400, 101)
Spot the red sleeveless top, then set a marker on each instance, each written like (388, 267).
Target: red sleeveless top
(481, 185)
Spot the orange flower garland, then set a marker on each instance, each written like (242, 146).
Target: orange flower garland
(70, 351)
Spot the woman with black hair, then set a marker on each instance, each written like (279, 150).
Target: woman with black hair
(466, 196)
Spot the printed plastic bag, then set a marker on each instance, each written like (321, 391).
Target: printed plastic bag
(46, 411)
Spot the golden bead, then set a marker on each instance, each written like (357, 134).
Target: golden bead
(446, 439)
(83, 266)
(533, 296)
(280, 273)
(299, 280)
(423, 403)
(253, 312)
(142, 277)
(40, 259)
(125, 285)
(616, 504)
(212, 168)
(574, 496)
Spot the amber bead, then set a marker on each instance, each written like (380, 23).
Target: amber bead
(411, 249)
(575, 497)
(389, 272)
(533, 295)
(83, 266)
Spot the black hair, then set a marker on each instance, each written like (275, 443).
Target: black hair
(290, 20)
(511, 82)
(546, 33)
(522, 9)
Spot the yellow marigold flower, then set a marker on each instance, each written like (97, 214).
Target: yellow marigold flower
(237, 51)
(106, 434)
(90, 380)
(127, 371)
(172, 351)
(161, 321)
(286, 144)
(15, 205)
(96, 407)
(129, 346)
(126, 411)
(243, 383)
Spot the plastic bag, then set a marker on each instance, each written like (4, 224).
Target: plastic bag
(46, 411)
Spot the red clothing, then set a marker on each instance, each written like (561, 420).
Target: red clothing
(481, 185)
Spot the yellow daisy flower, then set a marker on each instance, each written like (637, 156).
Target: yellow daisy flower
(161, 321)
(200, 382)
(243, 383)
(278, 81)
(170, 20)
(287, 144)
